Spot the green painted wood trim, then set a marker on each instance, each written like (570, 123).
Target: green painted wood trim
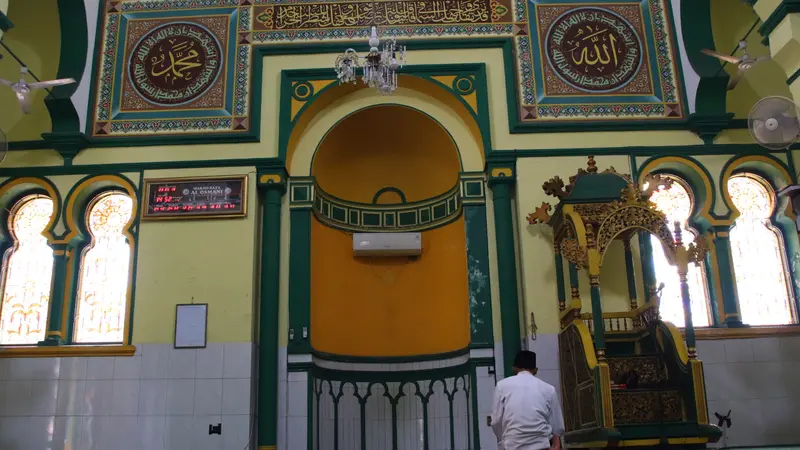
(712, 89)
(480, 290)
(299, 281)
(597, 317)
(72, 61)
(687, 316)
(507, 274)
(5, 23)
(785, 8)
(322, 373)
(713, 294)
(40, 144)
(561, 289)
(268, 314)
(389, 359)
(630, 272)
(573, 276)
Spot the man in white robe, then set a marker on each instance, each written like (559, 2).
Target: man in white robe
(526, 414)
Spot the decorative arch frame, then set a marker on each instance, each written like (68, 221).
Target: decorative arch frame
(15, 189)
(777, 174)
(702, 218)
(77, 239)
(662, 231)
(701, 185)
(308, 115)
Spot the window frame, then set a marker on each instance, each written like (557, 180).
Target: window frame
(779, 234)
(86, 245)
(12, 244)
(72, 213)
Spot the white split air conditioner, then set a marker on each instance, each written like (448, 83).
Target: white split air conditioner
(387, 244)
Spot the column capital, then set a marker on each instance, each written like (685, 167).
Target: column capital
(501, 169)
(272, 179)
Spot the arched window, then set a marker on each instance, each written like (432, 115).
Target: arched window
(27, 273)
(677, 203)
(101, 309)
(758, 259)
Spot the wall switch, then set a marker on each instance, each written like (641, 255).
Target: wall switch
(215, 429)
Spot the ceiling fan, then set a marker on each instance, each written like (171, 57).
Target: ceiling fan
(23, 89)
(744, 62)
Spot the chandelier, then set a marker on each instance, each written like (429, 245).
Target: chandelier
(380, 65)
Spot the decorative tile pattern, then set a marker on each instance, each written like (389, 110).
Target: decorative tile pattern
(642, 61)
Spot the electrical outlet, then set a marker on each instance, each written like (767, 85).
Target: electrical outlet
(215, 429)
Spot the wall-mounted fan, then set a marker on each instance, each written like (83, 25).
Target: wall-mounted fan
(773, 122)
(744, 62)
(23, 89)
(3, 146)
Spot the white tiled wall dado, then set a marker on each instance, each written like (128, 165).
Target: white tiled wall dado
(296, 411)
(159, 399)
(757, 379)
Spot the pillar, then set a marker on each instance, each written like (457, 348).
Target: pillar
(781, 27)
(271, 186)
(630, 273)
(682, 259)
(724, 266)
(501, 180)
(648, 271)
(56, 331)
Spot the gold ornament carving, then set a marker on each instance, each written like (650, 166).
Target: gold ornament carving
(540, 214)
(574, 253)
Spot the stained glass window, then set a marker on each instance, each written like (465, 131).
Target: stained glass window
(676, 202)
(757, 250)
(28, 272)
(102, 293)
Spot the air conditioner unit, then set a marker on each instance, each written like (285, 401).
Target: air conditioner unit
(387, 244)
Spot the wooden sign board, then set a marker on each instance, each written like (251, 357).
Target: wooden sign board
(195, 198)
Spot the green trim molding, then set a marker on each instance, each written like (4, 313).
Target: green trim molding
(5, 23)
(785, 8)
(793, 77)
(710, 116)
(72, 61)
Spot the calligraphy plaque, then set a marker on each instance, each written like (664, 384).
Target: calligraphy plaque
(175, 63)
(593, 49)
(195, 198)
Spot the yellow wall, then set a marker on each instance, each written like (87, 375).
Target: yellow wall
(35, 39)
(3, 10)
(201, 261)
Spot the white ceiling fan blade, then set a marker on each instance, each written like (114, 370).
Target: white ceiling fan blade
(726, 58)
(763, 58)
(5, 82)
(47, 84)
(24, 99)
(736, 78)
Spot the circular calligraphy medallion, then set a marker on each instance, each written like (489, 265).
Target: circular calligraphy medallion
(593, 49)
(175, 63)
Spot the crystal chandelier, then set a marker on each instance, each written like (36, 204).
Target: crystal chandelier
(380, 65)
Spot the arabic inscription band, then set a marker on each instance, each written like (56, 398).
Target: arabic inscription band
(593, 50)
(175, 63)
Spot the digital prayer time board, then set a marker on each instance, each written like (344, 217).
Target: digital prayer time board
(195, 198)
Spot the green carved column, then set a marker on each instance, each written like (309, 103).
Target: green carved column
(501, 181)
(56, 331)
(724, 265)
(648, 271)
(271, 187)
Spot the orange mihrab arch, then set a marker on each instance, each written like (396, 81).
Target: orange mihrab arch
(388, 306)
